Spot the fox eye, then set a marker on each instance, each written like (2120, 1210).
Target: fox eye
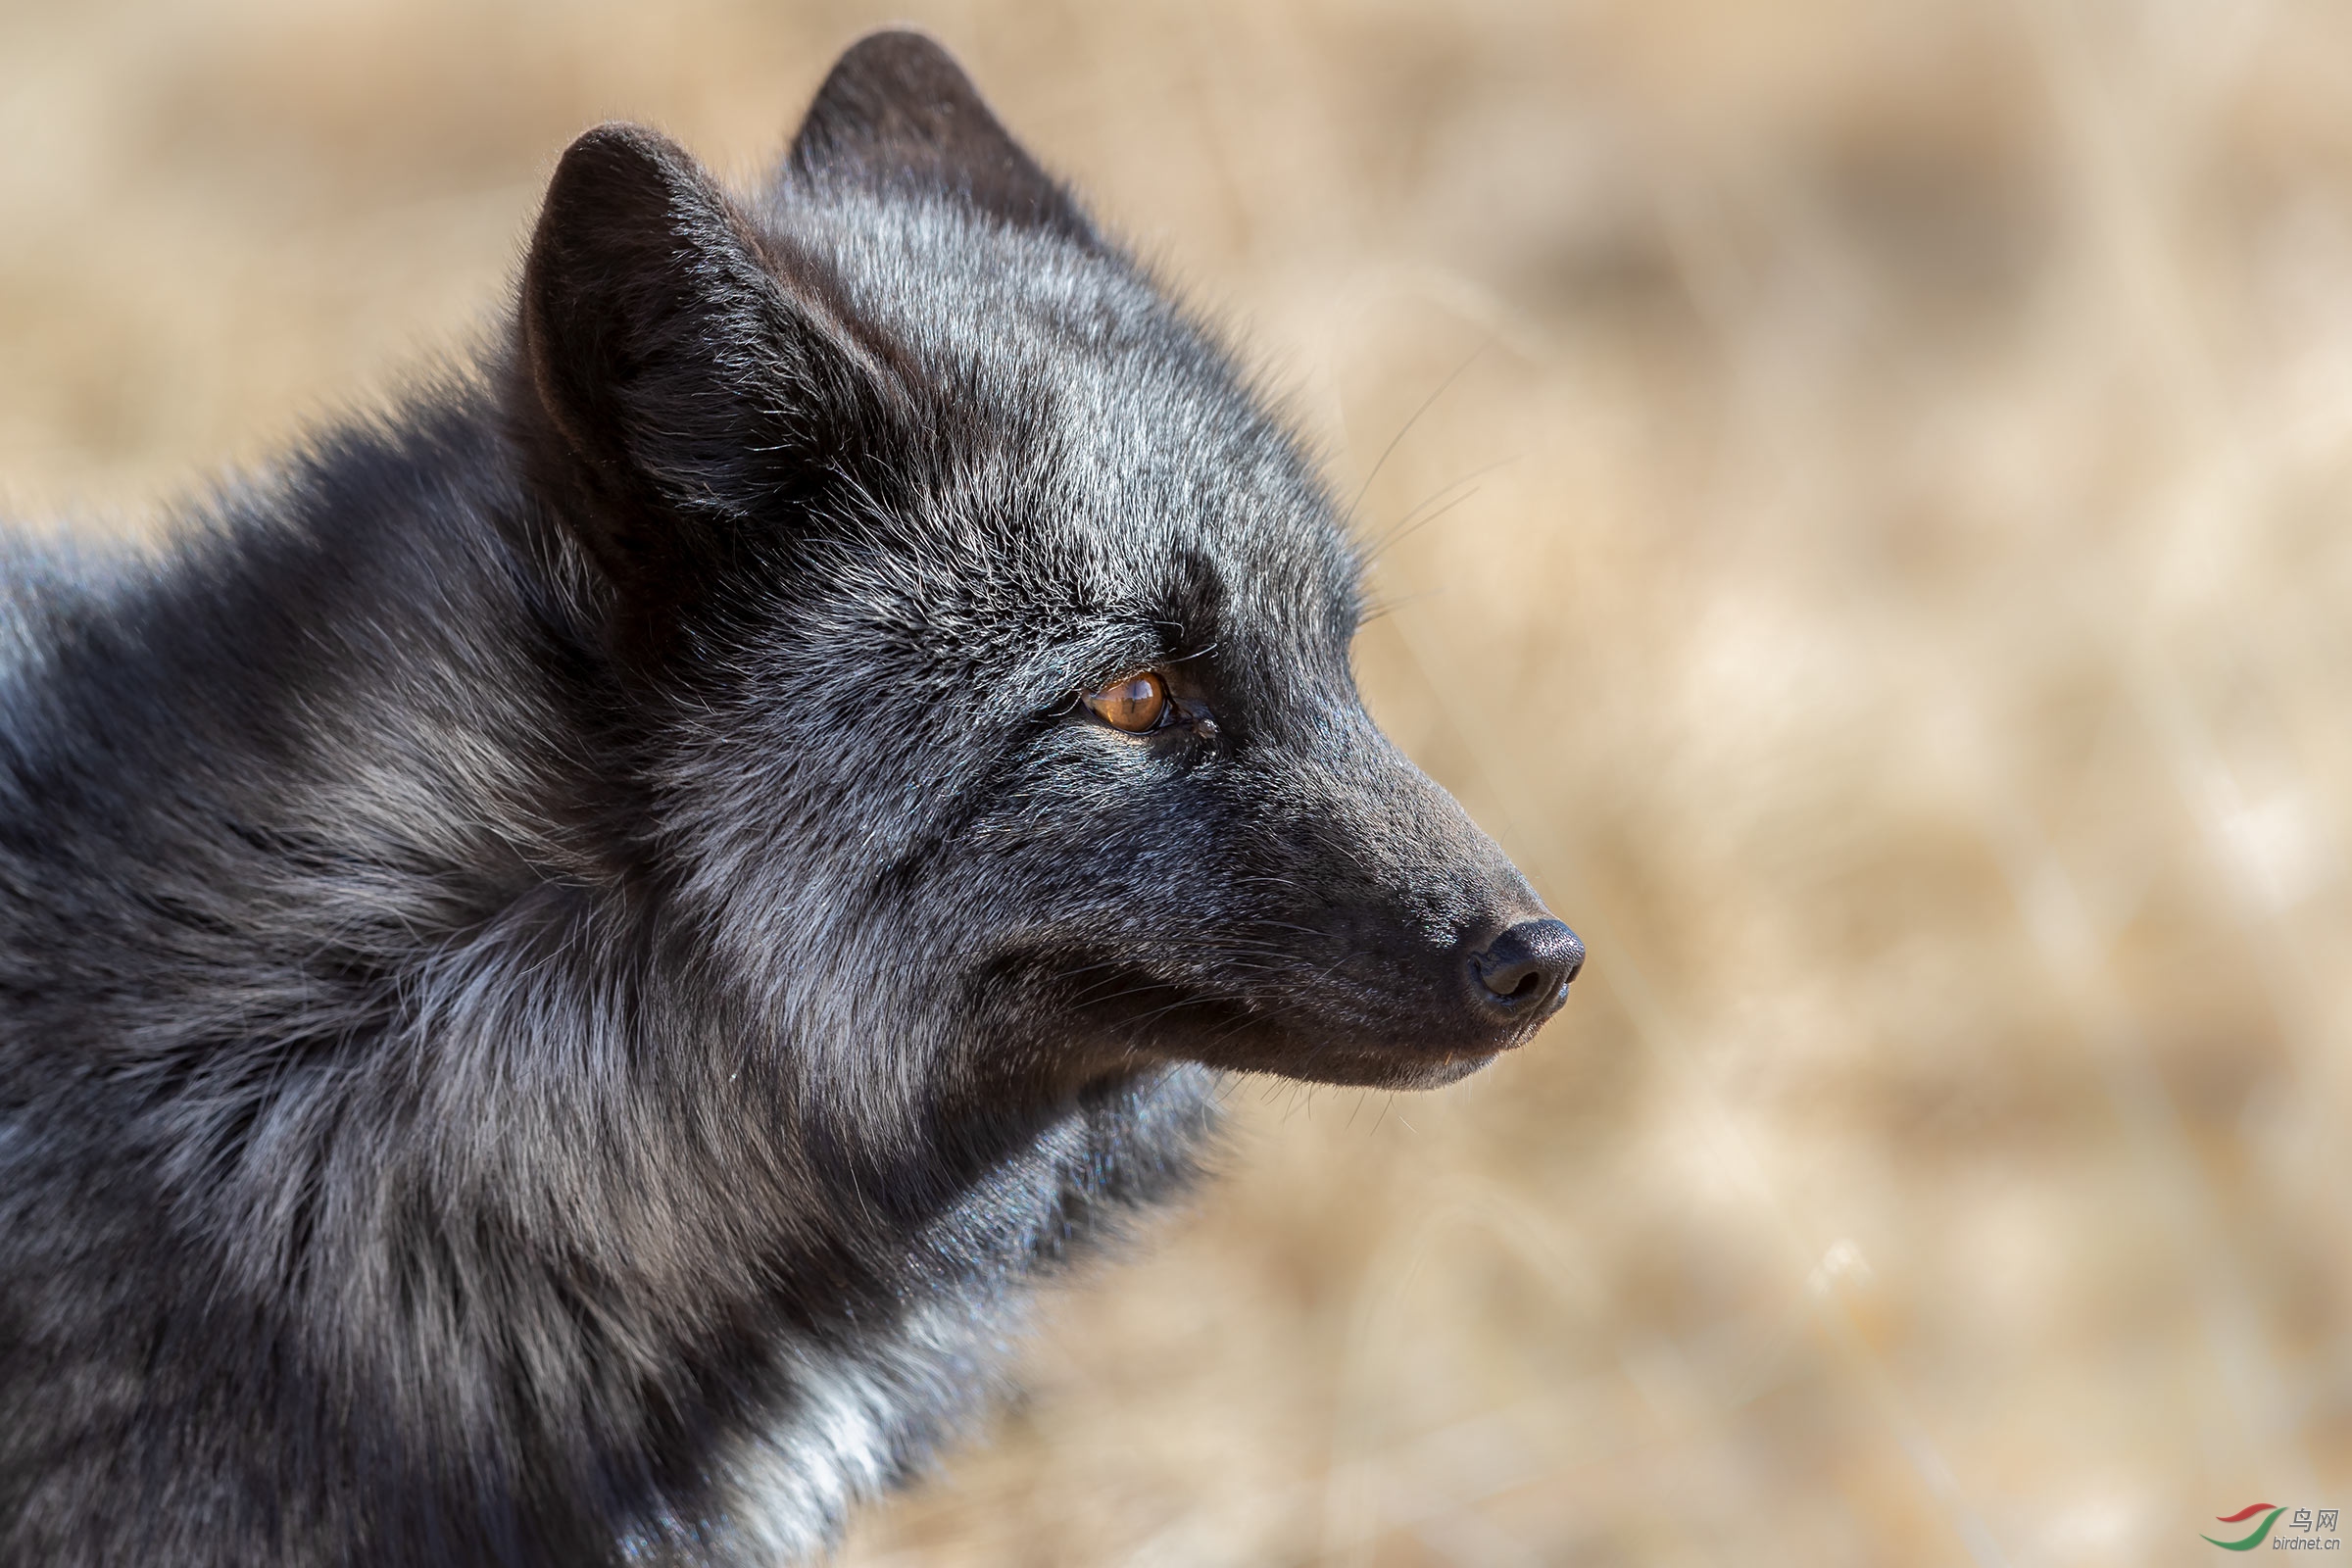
(1132, 703)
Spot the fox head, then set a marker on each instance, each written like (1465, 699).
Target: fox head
(992, 636)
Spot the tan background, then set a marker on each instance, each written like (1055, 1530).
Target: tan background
(1874, 544)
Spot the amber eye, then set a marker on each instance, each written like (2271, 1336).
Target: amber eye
(1134, 703)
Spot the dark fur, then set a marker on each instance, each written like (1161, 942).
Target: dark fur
(565, 956)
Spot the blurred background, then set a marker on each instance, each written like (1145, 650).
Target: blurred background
(1863, 501)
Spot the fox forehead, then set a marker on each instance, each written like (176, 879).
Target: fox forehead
(1103, 482)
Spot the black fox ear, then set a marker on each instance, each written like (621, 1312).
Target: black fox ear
(679, 387)
(899, 114)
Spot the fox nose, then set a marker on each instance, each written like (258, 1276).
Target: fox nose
(1522, 975)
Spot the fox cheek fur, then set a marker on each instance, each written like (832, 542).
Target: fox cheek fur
(568, 957)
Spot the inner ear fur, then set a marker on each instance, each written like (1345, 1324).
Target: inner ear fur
(679, 389)
(898, 115)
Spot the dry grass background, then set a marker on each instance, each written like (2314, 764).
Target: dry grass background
(1871, 505)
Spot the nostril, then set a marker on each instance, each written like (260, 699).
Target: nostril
(1527, 968)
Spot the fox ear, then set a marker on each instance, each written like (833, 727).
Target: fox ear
(897, 114)
(679, 387)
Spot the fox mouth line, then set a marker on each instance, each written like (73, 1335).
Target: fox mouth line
(1151, 1014)
(1067, 1009)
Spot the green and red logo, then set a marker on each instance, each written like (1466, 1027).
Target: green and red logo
(2270, 1517)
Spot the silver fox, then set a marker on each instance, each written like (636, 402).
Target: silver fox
(571, 953)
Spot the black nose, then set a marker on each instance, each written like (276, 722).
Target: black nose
(1523, 974)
